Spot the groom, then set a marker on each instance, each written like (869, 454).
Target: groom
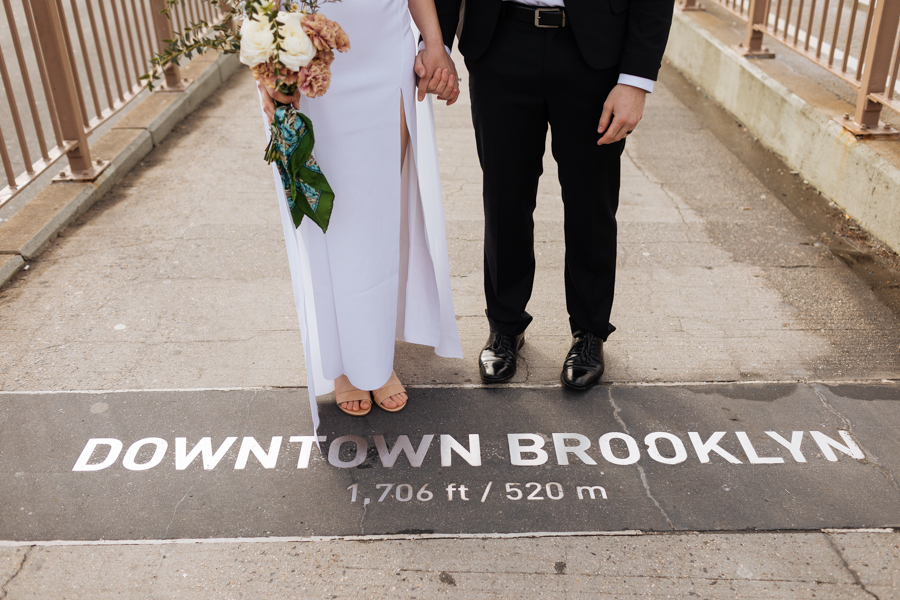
(583, 68)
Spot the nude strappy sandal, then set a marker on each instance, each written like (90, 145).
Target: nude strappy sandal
(391, 388)
(351, 396)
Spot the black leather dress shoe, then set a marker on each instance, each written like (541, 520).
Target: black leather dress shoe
(497, 361)
(584, 363)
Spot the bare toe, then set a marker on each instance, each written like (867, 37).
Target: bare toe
(343, 388)
(395, 401)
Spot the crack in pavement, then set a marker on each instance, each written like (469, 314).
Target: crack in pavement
(677, 202)
(524, 362)
(247, 415)
(175, 511)
(362, 518)
(849, 427)
(640, 469)
(856, 578)
(5, 586)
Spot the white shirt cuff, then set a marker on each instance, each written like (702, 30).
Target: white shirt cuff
(422, 47)
(638, 82)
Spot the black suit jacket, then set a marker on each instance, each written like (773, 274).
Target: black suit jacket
(628, 33)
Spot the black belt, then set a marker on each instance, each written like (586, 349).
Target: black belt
(552, 18)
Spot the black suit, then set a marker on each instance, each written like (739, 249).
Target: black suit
(522, 79)
(629, 33)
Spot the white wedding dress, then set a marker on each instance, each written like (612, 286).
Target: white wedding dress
(381, 271)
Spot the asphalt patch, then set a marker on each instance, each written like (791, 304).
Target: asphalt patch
(244, 463)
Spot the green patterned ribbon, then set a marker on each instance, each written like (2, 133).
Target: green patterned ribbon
(290, 147)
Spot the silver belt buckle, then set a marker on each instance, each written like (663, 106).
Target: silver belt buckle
(537, 18)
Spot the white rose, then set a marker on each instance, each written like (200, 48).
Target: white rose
(297, 49)
(257, 41)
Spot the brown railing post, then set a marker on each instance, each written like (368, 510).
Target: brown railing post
(689, 5)
(62, 86)
(756, 23)
(877, 66)
(164, 31)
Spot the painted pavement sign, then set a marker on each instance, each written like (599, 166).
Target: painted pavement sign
(245, 463)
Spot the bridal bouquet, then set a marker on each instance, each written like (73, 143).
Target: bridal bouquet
(291, 50)
(288, 48)
(296, 53)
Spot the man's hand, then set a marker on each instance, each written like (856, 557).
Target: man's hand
(622, 111)
(269, 97)
(437, 75)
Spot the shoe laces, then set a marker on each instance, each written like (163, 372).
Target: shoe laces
(496, 341)
(587, 350)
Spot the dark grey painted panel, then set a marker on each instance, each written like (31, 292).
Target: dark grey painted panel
(43, 435)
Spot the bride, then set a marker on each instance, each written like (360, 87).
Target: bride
(380, 273)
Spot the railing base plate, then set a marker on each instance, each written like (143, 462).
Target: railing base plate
(883, 132)
(97, 167)
(180, 87)
(695, 7)
(742, 50)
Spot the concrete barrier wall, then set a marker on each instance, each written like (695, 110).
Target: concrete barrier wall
(850, 172)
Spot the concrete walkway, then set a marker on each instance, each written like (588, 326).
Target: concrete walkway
(178, 280)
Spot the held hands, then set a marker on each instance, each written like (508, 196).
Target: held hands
(622, 111)
(269, 97)
(436, 75)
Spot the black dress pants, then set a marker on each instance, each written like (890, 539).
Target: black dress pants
(530, 78)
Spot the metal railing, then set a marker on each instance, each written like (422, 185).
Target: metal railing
(67, 66)
(855, 40)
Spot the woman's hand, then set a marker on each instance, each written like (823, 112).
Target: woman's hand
(435, 69)
(437, 74)
(270, 97)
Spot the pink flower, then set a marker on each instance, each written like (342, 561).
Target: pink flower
(302, 76)
(265, 74)
(326, 56)
(316, 78)
(325, 34)
(285, 81)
